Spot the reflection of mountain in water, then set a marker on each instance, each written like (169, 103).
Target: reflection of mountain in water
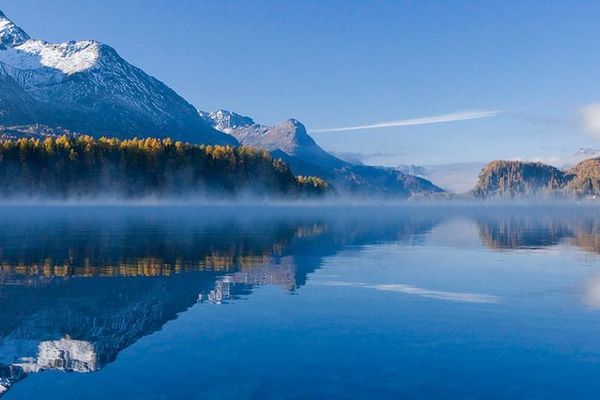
(516, 233)
(530, 229)
(77, 286)
(538, 230)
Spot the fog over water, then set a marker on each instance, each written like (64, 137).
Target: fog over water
(442, 300)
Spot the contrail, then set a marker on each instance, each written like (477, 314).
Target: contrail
(436, 119)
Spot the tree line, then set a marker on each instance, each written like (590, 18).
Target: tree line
(81, 166)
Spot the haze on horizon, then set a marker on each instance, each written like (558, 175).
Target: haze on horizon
(353, 64)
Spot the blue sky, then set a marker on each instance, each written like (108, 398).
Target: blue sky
(334, 64)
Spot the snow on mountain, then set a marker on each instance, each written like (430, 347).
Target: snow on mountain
(89, 88)
(227, 121)
(290, 137)
(291, 142)
(58, 59)
(65, 355)
(16, 106)
(10, 34)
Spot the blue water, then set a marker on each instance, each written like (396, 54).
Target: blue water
(300, 303)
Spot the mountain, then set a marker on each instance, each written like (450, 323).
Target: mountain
(411, 169)
(517, 179)
(291, 142)
(289, 136)
(17, 106)
(455, 177)
(87, 87)
(585, 179)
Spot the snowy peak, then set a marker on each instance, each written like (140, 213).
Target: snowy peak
(36, 62)
(66, 58)
(289, 137)
(10, 34)
(227, 121)
(287, 134)
(87, 87)
(290, 141)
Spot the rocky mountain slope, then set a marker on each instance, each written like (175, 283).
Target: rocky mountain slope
(291, 142)
(524, 179)
(290, 137)
(87, 87)
(585, 178)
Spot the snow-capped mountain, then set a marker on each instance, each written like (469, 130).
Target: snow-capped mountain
(227, 121)
(16, 105)
(291, 142)
(10, 34)
(87, 87)
(290, 136)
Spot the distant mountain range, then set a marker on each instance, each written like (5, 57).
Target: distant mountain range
(453, 177)
(86, 87)
(290, 141)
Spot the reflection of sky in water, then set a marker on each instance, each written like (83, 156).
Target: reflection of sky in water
(387, 303)
(417, 291)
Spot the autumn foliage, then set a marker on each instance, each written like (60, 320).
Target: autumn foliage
(68, 166)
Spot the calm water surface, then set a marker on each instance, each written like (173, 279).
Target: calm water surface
(299, 303)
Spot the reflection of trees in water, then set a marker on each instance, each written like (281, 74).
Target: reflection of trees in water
(580, 229)
(587, 235)
(517, 233)
(89, 249)
(538, 230)
(76, 289)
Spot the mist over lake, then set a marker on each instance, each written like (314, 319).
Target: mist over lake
(299, 200)
(299, 302)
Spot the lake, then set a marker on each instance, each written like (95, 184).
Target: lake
(300, 302)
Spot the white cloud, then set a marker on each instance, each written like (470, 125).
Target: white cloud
(435, 119)
(590, 118)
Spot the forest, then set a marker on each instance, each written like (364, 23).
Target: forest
(83, 167)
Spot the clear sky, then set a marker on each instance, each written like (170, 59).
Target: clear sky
(333, 64)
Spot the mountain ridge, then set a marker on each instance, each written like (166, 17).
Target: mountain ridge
(87, 86)
(512, 179)
(290, 141)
